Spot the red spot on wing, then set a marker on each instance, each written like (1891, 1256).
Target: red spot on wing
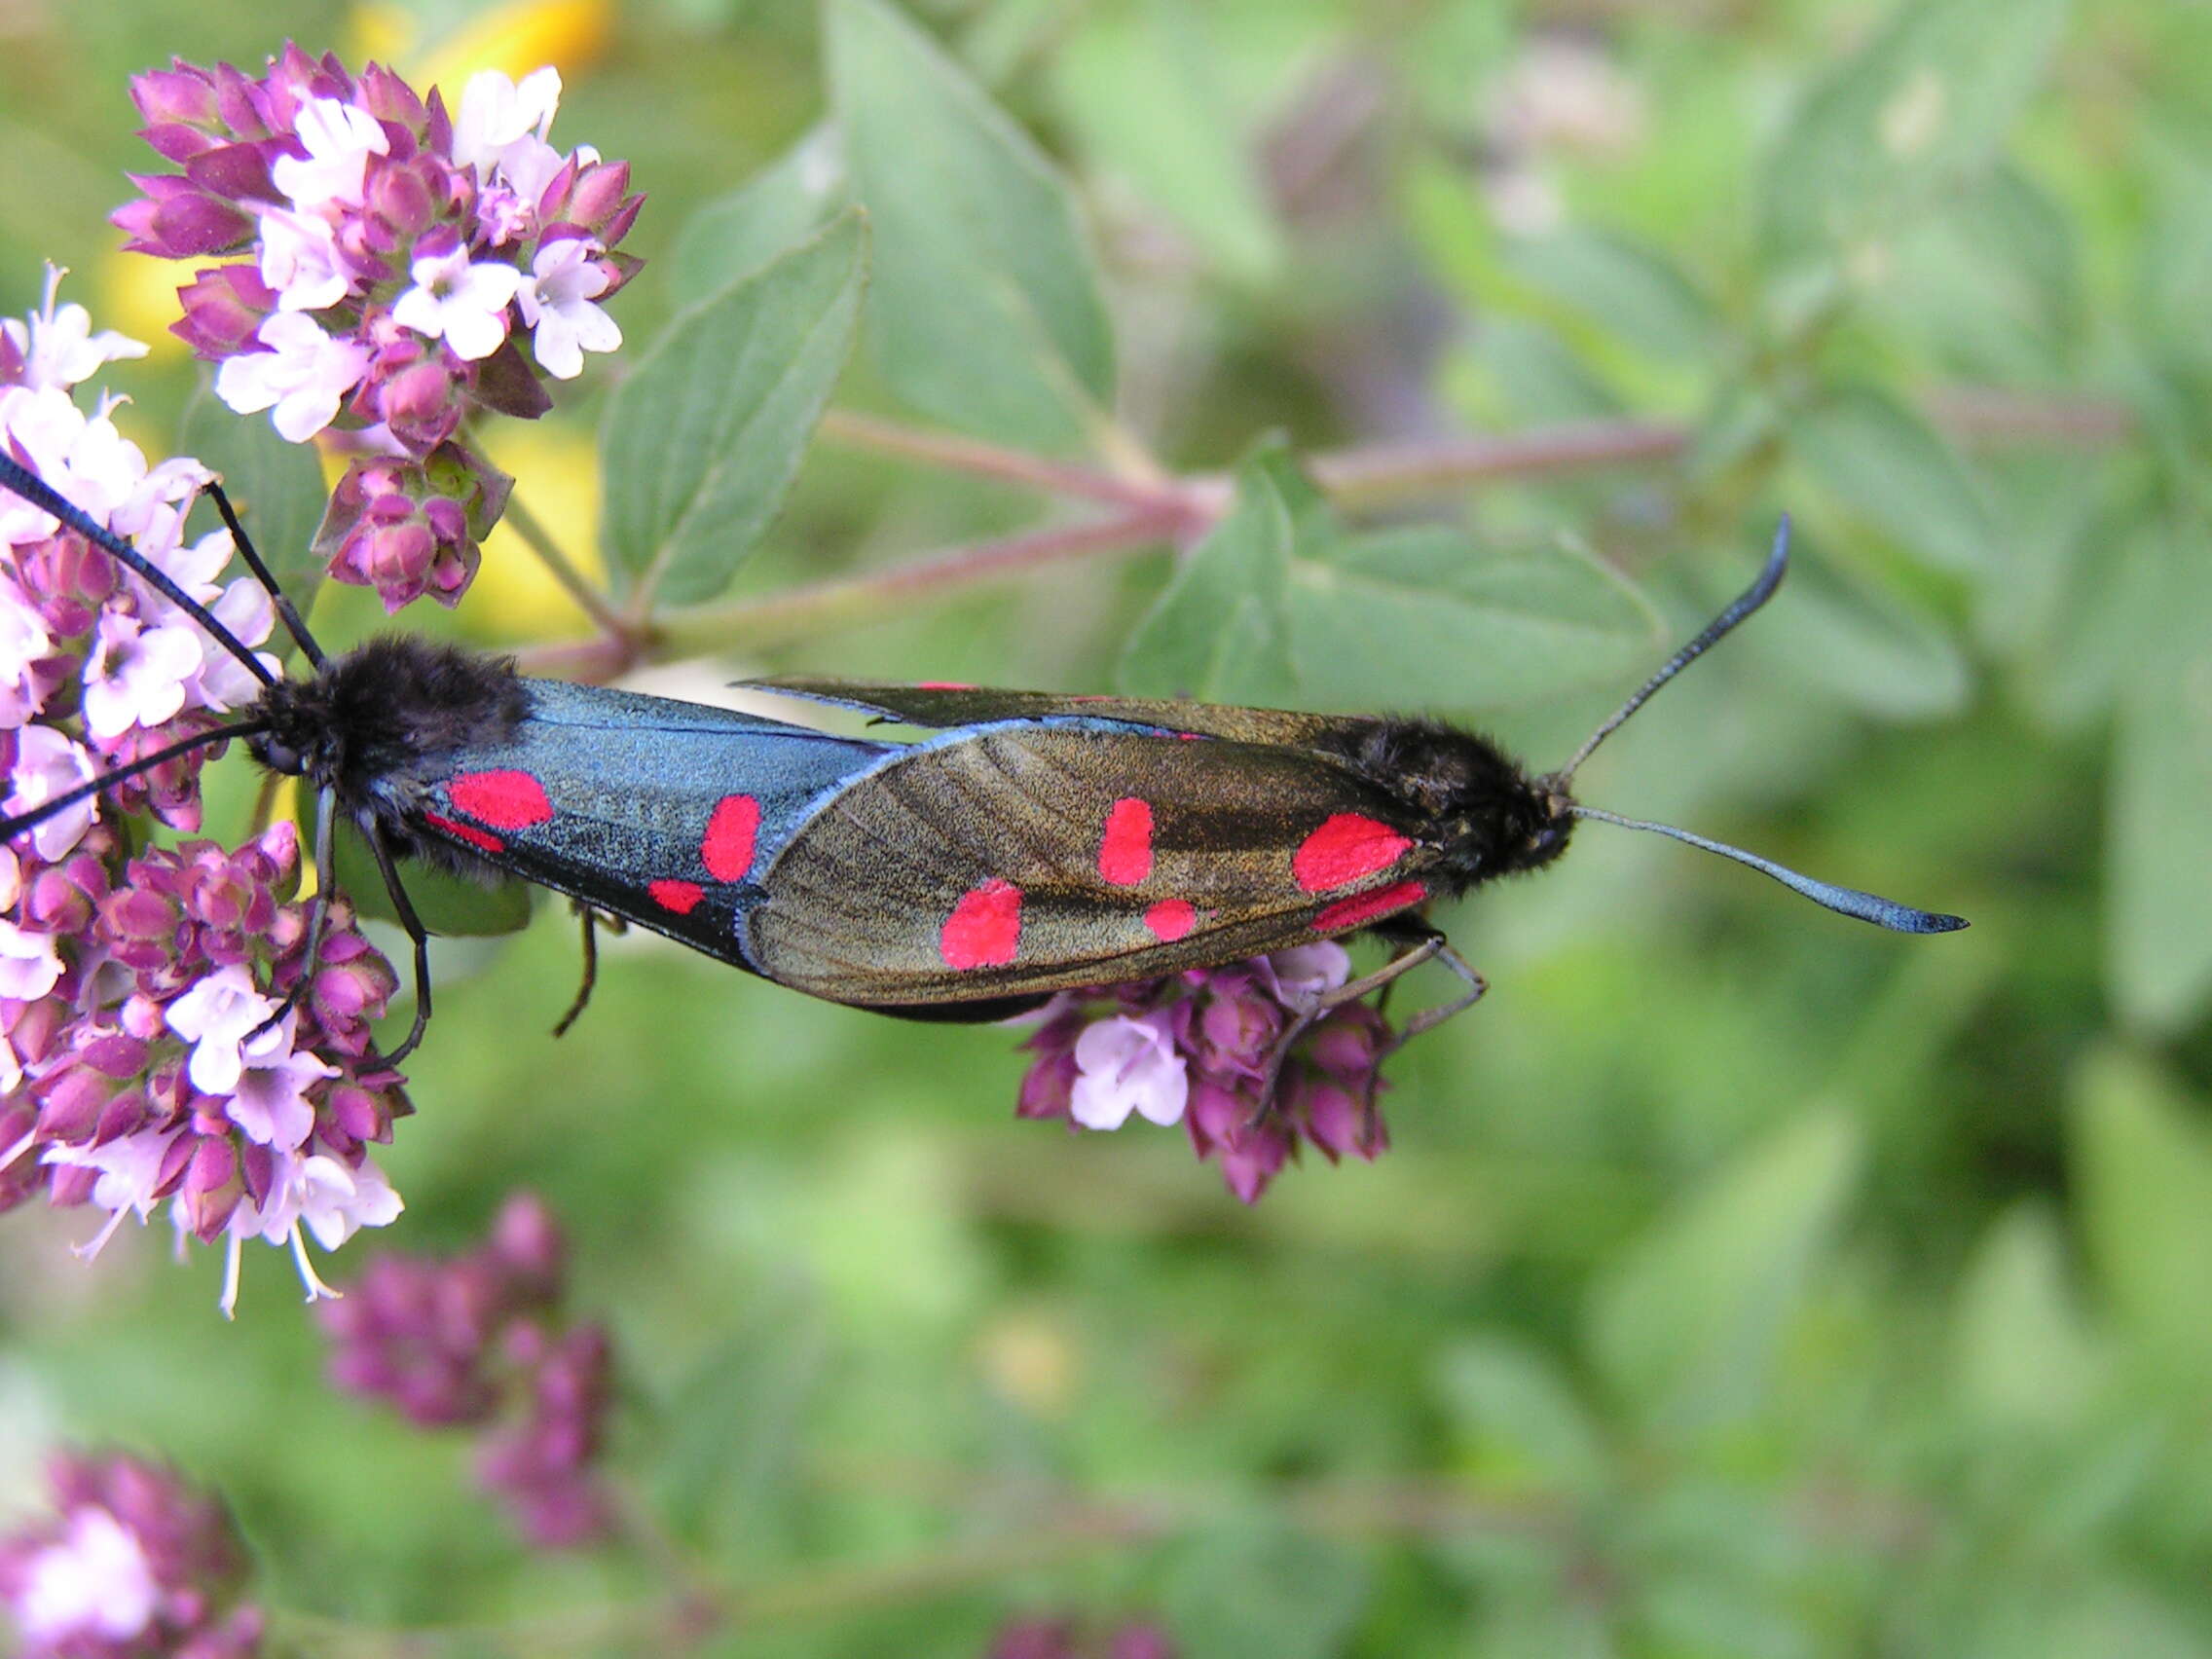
(985, 927)
(1170, 919)
(682, 897)
(1365, 907)
(942, 685)
(1345, 849)
(483, 840)
(1124, 856)
(731, 829)
(506, 800)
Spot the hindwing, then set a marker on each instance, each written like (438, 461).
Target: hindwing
(1038, 855)
(945, 707)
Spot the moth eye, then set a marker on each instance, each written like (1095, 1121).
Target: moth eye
(282, 758)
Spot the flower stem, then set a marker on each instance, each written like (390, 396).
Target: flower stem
(573, 582)
(957, 454)
(802, 610)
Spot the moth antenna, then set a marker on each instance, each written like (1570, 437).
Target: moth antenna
(287, 612)
(36, 490)
(1845, 901)
(45, 809)
(1748, 601)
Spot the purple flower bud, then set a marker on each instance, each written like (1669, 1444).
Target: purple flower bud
(235, 172)
(1140, 1641)
(1034, 1639)
(527, 1242)
(180, 93)
(175, 219)
(391, 100)
(134, 1562)
(1254, 1160)
(223, 309)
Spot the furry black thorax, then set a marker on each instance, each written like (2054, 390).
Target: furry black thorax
(1475, 802)
(367, 724)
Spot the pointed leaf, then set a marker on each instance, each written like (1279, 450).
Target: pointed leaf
(2022, 1355)
(1139, 85)
(1884, 463)
(984, 309)
(1922, 107)
(2145, 1172)
(1220, 632)
(701, 442)
(2159, 936)
(1259, 1591)
(1426, 614)
(773, 212)
(1685, 1324)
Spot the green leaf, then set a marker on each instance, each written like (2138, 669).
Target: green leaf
(730, 1433)
(702, 440)
(1138, 83)
(1884, 464)
(1685, 1322)
(1918, 110)
(778, 207)
(2143, 1162)
(1220, 632)
(275, 486)
(1863, 644)
(2158, 920)
(1426, 614)
(1259, 1591)
(1279, 605)
(1628, 287)
(449, 906)
(1518, 1416)
(984, 310)
(2022, 1355)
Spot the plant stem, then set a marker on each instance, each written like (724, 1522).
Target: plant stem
(802, 610)
(957, 454)
(573, 582)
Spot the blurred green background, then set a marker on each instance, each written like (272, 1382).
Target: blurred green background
(1742, 1281)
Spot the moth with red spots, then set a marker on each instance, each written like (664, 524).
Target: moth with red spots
(1035, 843)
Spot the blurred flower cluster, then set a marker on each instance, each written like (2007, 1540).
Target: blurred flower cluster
(134, 1564)
(479, 1341)
(407, 266)
(1068, 1638)
(147, 1054)
(1205, 1049)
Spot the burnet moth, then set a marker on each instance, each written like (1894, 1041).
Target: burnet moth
(1036, 843)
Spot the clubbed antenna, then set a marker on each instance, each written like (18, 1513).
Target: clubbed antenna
(1752, 598)
(1844, 901)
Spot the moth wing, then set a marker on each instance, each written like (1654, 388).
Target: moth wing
(943, 707)
(1027, 858)
(660, 812)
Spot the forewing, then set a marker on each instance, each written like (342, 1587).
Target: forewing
(1028, 857)
(945, 707)
(661, 812)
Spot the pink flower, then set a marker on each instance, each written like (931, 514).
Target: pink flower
(1124, 1065)
(464, 304)
(215, 1017)
(56, 346)
(47, 764)
(339, 139)
(556, 302)
(305, 374)
(300, 261)
(137, 676)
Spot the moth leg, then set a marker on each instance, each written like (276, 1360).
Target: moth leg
(591, 970)
(1438, 949)
(1417, 946)
(318, 914)
(373, 832)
